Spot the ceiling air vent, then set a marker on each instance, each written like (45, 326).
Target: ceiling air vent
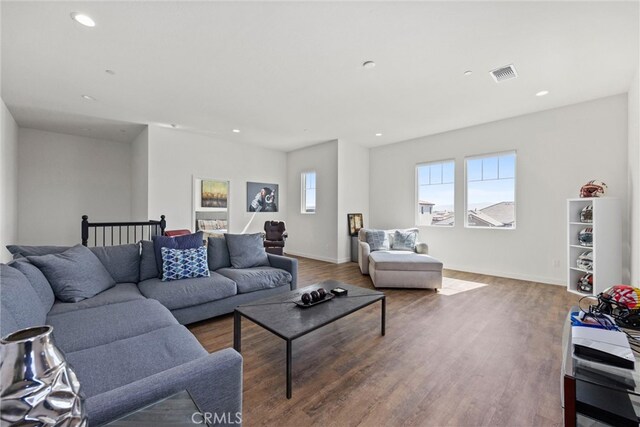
(501, 74)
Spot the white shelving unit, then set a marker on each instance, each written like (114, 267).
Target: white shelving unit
(607, 243)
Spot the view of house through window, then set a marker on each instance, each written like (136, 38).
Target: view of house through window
(491, 190)
(308, 192)
(435, 193)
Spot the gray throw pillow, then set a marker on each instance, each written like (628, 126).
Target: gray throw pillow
(377, 240)
(404, 240)
(218, 253)
(23, 251)
(75, 274)
(246, 250)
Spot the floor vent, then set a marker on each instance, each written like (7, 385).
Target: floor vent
(501, 74)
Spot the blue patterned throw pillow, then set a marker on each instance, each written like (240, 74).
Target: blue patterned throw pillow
(404, 240)
(184, 263)
(377, 240)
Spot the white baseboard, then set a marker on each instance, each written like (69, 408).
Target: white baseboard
(517, 276)
(313, 256)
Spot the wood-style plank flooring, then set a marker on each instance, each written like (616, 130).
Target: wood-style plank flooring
(485, 357)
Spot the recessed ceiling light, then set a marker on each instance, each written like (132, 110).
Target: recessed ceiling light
(468, 73)
(83, 19)
(88, 97)
(542, 93)
(110, 72)
(378, 134)
(236, 131)
(369, 65)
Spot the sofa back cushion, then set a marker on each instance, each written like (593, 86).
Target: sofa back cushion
(74, 274)
(378, 240)
(38, 281)
(21, 307)
(148, 264)
(246, 250)
(121, 261)
(218, 253)
(188, 241)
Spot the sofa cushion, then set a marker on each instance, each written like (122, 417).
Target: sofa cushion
(188, 292)
(403, 260)
(218, 253)
(378, 240)
(76, 330)
(74, 274)
(39, 283)
(121, 292)
(404, 240)
(256, 278)
(19, 300)
(23, 251)
(7, 322)
(122, 362)
(180, 264)
(121, 261)
(148, 264)
(246, 250)
(188, 241)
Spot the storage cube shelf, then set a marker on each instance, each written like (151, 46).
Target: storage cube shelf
(606, 244)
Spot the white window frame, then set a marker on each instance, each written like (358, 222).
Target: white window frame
(515, 189)
(303, 192)
(417, 193)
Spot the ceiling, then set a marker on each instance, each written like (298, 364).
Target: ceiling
(289, 74)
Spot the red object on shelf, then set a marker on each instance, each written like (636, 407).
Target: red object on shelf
(174, 233)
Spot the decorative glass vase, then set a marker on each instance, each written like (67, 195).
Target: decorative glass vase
(37, 386)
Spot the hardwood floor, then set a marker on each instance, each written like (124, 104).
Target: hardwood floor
(489, 356)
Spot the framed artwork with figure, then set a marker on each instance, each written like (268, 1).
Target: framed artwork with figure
(262, 197)
(355, 223)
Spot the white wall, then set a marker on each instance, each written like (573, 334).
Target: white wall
(557, 151)
(61, 177)
(634, 178)
(140, 177)
(353, 191)
(176, 156)
(314, 235)
(8, 182)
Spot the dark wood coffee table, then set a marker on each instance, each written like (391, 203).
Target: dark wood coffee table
(280, 316)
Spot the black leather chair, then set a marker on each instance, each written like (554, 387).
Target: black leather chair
(274, 237)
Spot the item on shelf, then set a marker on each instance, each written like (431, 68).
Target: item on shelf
(593, 189)
(585, 237)
(585, 284)
(38, 385)
(585, 260)
(339, 292)
(587, 214)
(622, 302)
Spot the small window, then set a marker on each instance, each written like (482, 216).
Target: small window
(308, 192)
(491, 191)
(435, 195)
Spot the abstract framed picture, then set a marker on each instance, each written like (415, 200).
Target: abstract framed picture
(214, 194)
(262, 197)
(355, 222)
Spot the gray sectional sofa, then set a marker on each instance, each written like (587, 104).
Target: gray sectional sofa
(128, 344)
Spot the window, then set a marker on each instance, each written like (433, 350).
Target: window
(308, 192)
(435, 193)
(491, 191)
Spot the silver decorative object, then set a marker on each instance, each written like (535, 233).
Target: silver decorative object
(37, 386)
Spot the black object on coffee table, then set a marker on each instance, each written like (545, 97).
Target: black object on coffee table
(280, 315)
